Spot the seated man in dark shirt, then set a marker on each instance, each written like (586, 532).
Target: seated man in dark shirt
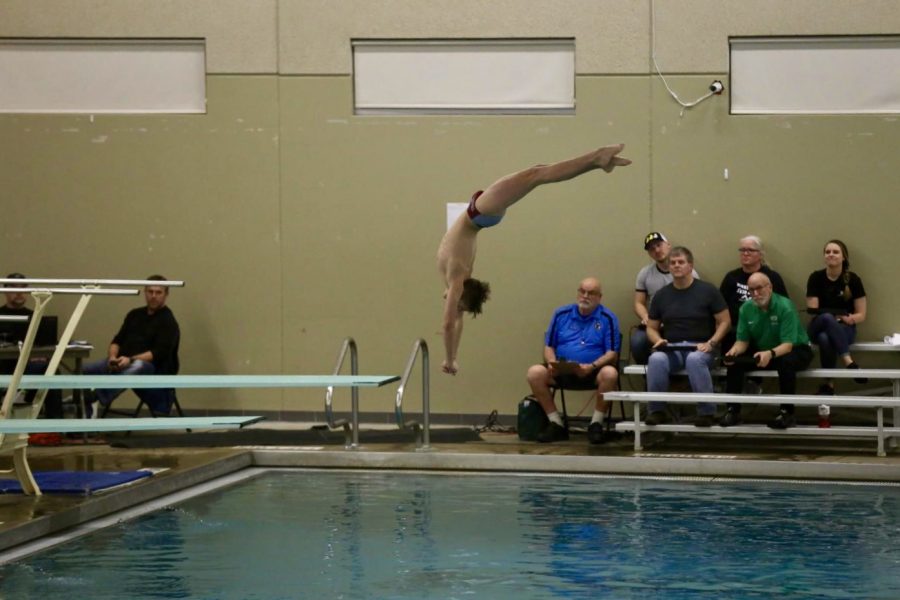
(146, 344)
(693, 317)
(15, 332)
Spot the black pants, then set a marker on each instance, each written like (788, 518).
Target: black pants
(787, 366)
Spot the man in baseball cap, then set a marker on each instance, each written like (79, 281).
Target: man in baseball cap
(653, 236)
(652, 278)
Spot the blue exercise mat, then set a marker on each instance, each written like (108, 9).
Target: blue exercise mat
(83, 483)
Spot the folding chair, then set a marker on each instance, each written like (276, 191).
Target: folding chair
(146, 397)
(576, 385)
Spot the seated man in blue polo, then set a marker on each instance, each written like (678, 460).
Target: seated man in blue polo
(146, 344)
(586, 336)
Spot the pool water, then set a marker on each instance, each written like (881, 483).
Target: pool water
(309, 534)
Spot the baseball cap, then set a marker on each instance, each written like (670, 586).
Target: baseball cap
(654, 236)
(14, 276)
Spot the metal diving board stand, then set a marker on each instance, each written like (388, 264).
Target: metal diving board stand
(16, 444)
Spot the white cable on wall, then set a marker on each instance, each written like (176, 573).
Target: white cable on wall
(715, 88)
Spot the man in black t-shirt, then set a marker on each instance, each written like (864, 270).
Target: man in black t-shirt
(146, 344)
(694, 317)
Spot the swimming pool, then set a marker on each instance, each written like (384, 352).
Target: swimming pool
(327, 534)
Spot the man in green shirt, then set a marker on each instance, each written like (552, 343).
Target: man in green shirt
(769, 328)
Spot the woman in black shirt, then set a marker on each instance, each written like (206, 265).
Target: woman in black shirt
(837, 298)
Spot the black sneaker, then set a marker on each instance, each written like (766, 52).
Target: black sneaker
(825, 390)
(657, 418)
(552, 433)
(596, 433)
(853, 365)
(782, 420)
(731, 418)
(704, 421)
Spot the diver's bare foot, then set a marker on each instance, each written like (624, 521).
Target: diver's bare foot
(608, 160)
(617, 161)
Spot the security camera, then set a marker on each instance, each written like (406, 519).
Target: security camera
(716, 87)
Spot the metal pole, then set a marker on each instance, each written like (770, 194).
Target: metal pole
(69, 291)
(94, 282)
(426, 401)
(354, 395)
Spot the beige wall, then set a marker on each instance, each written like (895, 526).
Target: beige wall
(328, 223)
(313, 35)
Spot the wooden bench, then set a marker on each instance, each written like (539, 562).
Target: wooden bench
(879, 431)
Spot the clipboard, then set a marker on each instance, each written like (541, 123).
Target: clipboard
(564, 367)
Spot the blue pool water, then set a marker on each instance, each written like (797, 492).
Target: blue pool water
(354, 535)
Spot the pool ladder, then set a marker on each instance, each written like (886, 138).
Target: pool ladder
(351, 427)
(422, 432)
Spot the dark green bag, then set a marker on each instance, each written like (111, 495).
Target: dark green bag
(532, 419)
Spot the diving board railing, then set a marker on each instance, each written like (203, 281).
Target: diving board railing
(351, 429)
(92, 283)
(423, 437)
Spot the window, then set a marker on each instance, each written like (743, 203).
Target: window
(464, 76)
(102, 76)
(820, 75)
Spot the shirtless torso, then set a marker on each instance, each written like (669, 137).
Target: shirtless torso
(456, 253)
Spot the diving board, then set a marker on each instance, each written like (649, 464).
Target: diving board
(55, 382)
(17, 428)
(14, 434)
(110, 425)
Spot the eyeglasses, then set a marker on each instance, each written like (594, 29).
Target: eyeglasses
(584, 292)
(748, 250)
(755, 289)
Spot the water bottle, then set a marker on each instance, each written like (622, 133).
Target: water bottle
(824, 416)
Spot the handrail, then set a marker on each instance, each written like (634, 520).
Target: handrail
(351, 432)
(92, 282)
(422, 434)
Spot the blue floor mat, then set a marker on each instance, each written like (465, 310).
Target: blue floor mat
(82, 483)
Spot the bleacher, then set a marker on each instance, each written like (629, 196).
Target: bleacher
(884, 435)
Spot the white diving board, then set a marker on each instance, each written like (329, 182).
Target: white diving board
(55, 382)
(109, 425)
(19, 427)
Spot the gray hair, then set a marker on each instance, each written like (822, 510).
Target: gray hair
(757, 243)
